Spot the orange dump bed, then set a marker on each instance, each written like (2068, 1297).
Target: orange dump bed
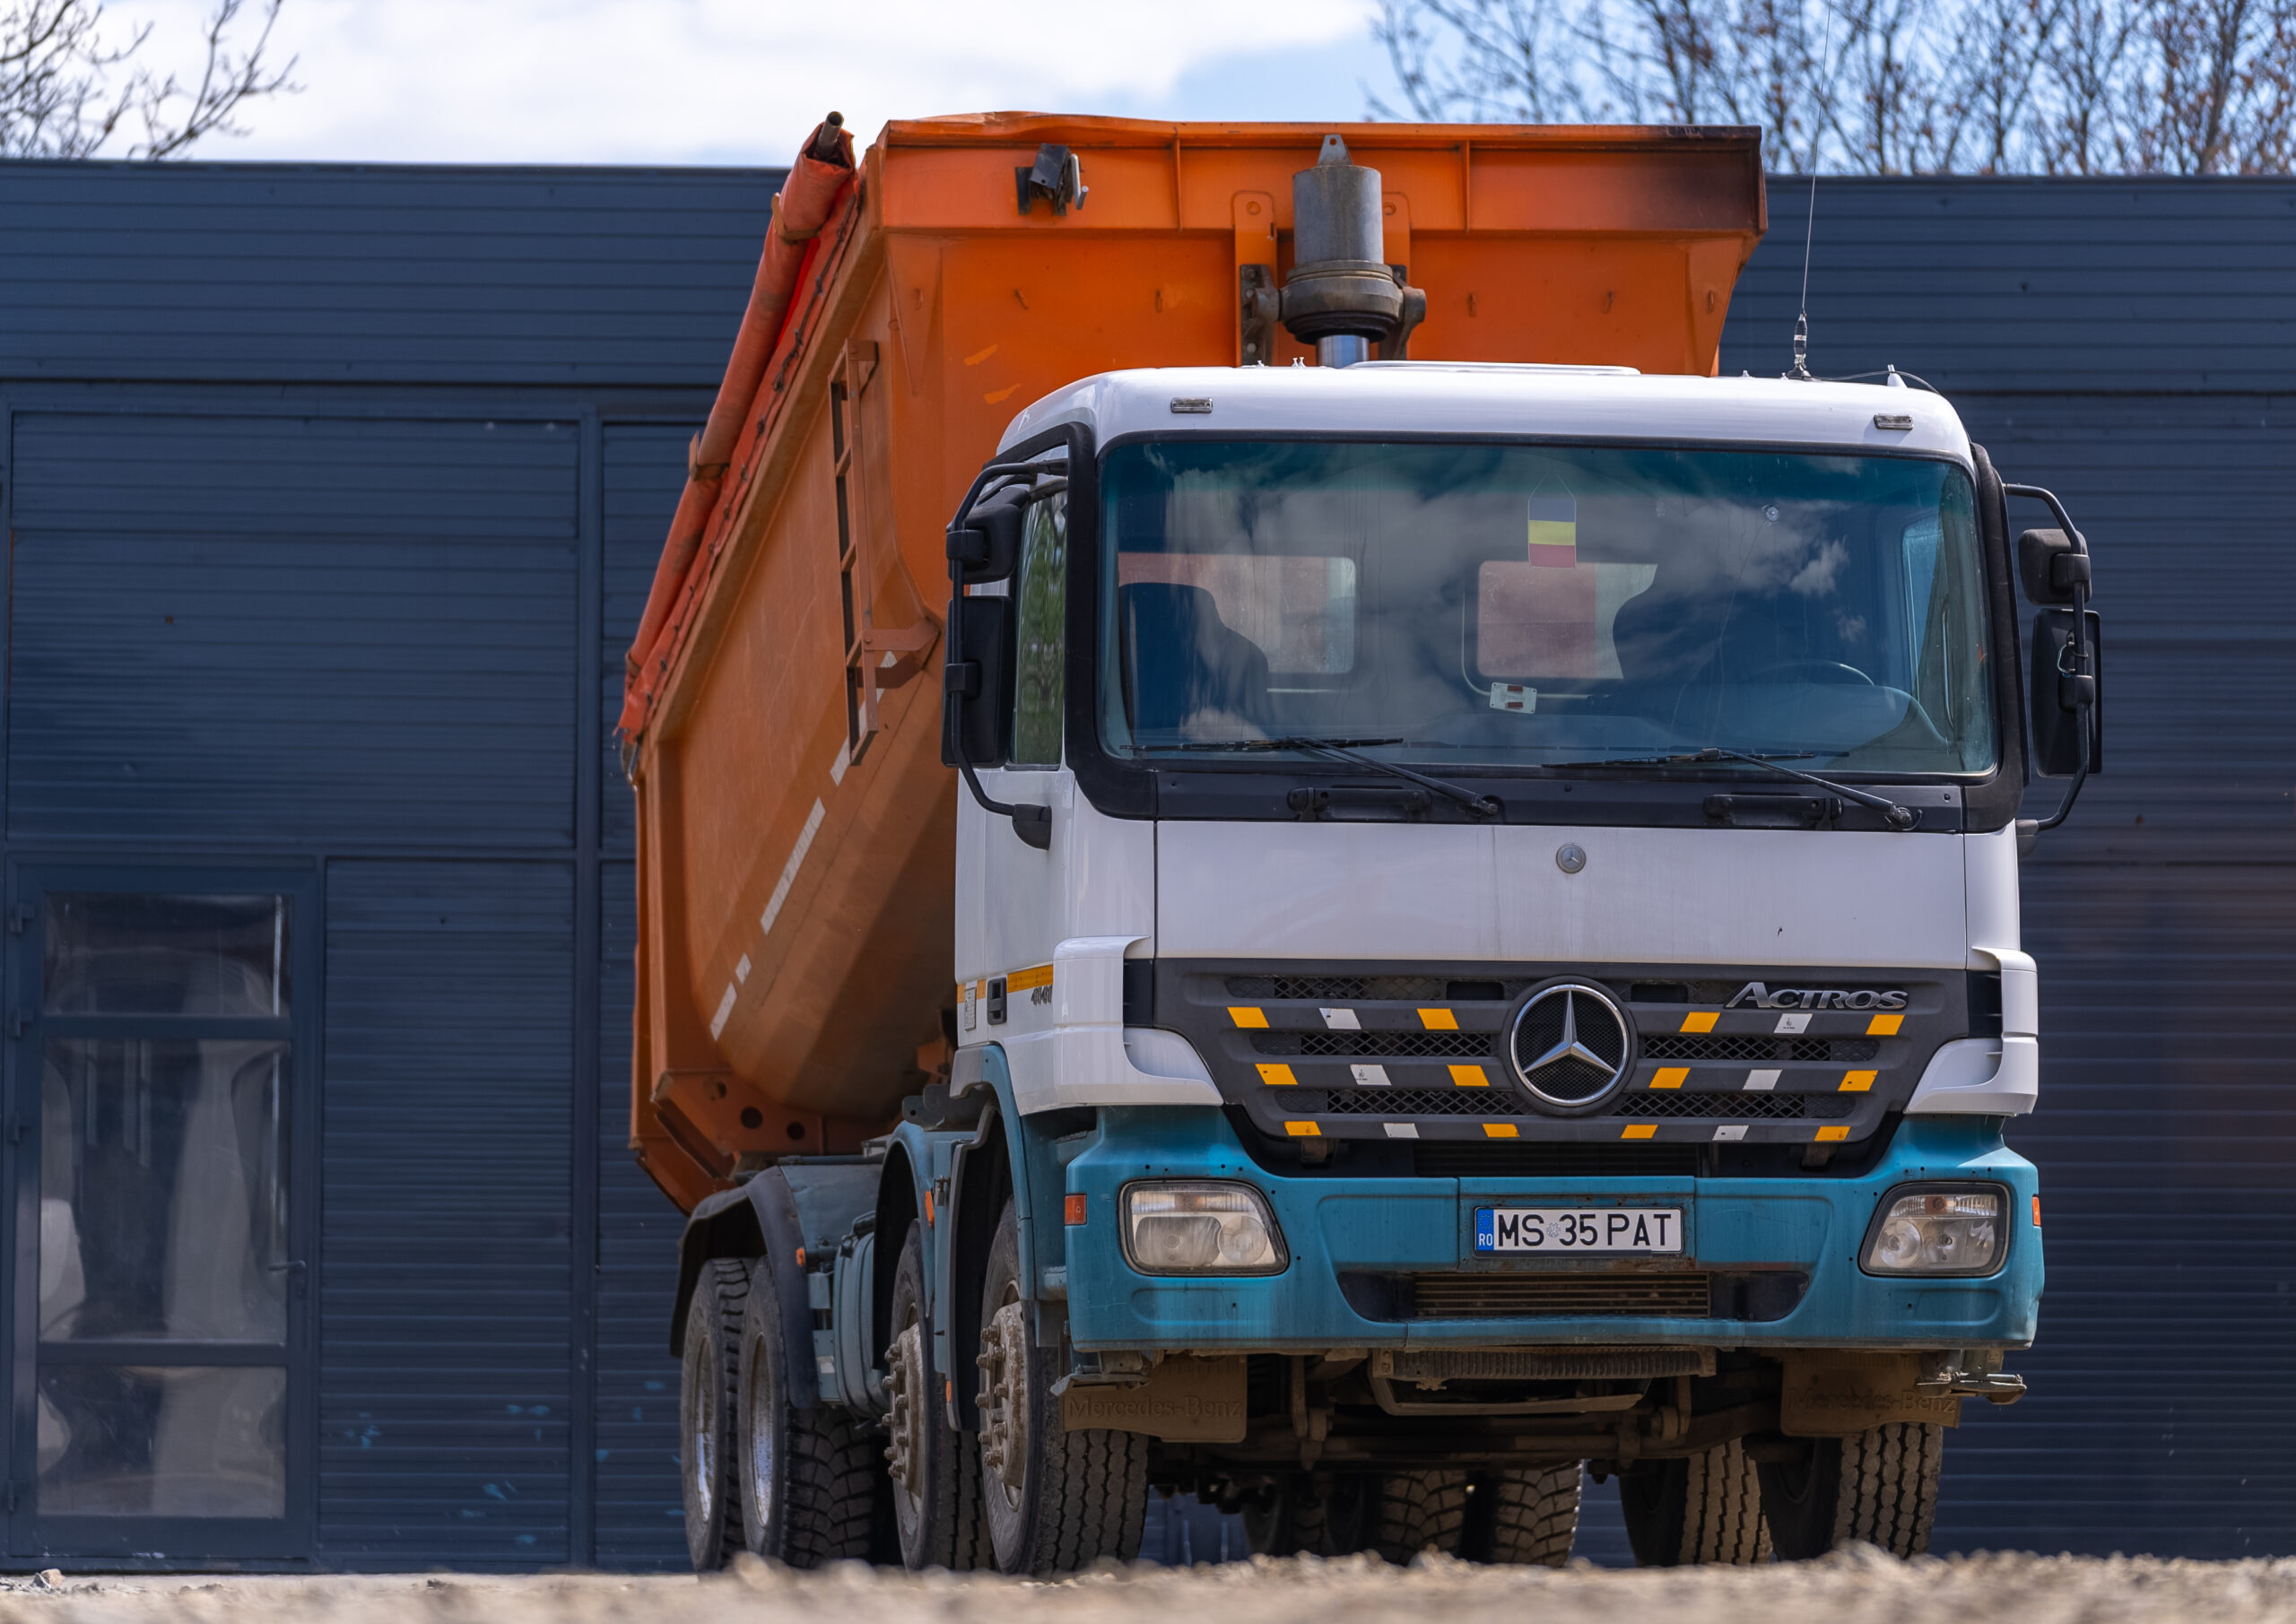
(796, 829)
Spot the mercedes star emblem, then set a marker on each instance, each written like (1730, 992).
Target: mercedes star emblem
(1571, 1045)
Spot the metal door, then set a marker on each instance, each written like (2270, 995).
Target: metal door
(161, 1025)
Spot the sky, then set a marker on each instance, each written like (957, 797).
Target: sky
(740, 81)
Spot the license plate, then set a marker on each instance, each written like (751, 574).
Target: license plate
(1578, 1229)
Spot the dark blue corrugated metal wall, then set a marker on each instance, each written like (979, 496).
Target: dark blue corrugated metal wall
(394, 449)
(334, 492)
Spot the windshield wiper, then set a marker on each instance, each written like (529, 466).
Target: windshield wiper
(1290, 743)
(1894, 815)
(1347, 750)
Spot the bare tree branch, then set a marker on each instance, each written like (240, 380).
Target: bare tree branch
(2083, 87)
(66, 90)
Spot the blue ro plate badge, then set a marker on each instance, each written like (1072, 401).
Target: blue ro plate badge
(1578, 1229)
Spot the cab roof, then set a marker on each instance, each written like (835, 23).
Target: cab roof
(1464, 398)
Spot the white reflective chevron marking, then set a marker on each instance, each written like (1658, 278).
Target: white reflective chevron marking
(790, 870)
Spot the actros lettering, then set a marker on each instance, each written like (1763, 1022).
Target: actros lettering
(1815, 998)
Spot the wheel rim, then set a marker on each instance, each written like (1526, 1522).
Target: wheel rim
(702, 1435)
(905, 1440)
(760, 1401)
(1005, 1401)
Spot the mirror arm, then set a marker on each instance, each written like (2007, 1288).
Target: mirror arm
(1032, 822)
(2030, 830)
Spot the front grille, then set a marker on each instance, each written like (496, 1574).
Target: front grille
(1468, 1158)
(1714, 993)
(1386, 1045)
(1671, 1046)
(1677, 1046)
(1732, 1107)
(1608, 1295)
(1540, 1364)
(1396, 1103)
(1757, 1296)
(1339, 988)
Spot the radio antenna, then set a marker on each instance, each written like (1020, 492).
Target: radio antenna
(1810, 220)
(1802, 317)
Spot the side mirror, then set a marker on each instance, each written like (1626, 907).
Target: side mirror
(976, 720)
(2050, 566)
(2064, 699)
(986, 546)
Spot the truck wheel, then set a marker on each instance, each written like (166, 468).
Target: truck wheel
(1525, 1517)
(1327, 1514)
(935, 1472)
(1421, 1511)
(1705, 1508)
(1879, 1486)
(808, 1476)
(707, 1387)
(1057, 1500)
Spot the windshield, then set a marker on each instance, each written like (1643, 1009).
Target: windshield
(1524, 605)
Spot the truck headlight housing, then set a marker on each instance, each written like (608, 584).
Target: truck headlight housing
(1199, 1227)
(1938, 1231)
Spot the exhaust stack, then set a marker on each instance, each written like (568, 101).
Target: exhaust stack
(1341, 296)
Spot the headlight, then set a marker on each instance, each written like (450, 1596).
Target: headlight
(1200, 1228)
(1938, 1231)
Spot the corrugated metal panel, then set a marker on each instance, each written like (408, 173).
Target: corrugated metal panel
(296, 629)
(2185, 501)
(2161, 1416)
(645, 471)
(2030, 285)
(444, 1363)
(640, 1518)
(2098, 338)
(341, 273)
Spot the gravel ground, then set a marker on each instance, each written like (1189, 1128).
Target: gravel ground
(1858, 1586)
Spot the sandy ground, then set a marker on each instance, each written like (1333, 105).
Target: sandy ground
(1849, 1587)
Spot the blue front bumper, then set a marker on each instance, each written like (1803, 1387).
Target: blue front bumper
(1393, 1227)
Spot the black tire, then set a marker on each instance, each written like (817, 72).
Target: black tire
(1705, 1508)
(1524, 1517)
(1067, 1498)
(708, 1399)
(1323, 1514)
(936, 1515)
(1880, 1486)
(808, 1477)
(1421, 1511)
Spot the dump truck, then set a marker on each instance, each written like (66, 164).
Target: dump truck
(1285, 855)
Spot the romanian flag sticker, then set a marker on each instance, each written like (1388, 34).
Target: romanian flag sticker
(1554, 531)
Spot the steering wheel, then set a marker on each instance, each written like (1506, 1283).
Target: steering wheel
(1835, 671)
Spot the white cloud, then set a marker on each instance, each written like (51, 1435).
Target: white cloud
(671, 80)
